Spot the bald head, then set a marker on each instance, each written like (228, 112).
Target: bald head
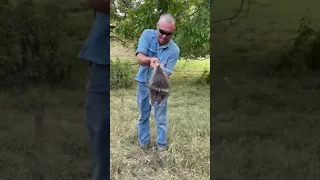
(166, 26)
(167, 18)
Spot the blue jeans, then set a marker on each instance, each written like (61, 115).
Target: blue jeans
(161, 117)
(98, 119)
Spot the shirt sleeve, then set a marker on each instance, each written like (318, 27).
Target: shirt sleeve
(172, 62)
(143, 44)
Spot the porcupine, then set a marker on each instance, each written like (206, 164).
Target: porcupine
(158, 85)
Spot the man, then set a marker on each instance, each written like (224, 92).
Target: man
(97, 51)
(155, 46)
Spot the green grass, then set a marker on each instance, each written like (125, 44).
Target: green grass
(65, 151)
(188, 132)
(264, 126)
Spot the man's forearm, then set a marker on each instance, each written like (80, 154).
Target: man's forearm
(143, 60)
(102, 6)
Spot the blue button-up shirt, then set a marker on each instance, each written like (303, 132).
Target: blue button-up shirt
(97, 47)
(167, 54)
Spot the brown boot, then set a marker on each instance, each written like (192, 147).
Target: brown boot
(147, 146)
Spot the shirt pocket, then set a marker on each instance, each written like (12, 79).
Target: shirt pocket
(151, 52)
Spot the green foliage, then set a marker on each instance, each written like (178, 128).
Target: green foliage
(119, 8)
(31, 38)
(205, 77)
(192, 29)
(304, 54)
(121, 74)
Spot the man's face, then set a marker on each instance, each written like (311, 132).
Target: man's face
(165, 32)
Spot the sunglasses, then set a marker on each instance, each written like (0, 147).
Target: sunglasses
(165, 33)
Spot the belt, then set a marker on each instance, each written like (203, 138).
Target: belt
(143, 82)
(146, 83)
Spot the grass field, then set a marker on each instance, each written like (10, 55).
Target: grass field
(57, 147)
(61, 149)
(188, 131)
(265, 124)
(65, 153)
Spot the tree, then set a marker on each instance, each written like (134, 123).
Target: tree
(119, 8)
(192, 28)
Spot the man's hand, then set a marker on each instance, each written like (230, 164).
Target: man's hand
(154, 62)
(166, 75)
(102, 6)
(146, 61)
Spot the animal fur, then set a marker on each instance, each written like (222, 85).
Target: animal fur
(158, 86)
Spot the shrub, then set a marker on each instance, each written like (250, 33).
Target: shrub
(32, 37)
(304, 53)
(205, 77)
(121, 74)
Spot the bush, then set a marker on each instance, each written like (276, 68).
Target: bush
(304, 53)
(205, 77)
(121, 74)
(33, 44)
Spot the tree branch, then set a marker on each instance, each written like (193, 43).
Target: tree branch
(250, 3)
